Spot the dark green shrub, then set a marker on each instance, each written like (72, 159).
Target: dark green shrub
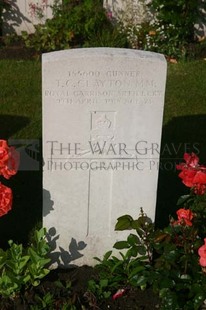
(4, 4)
(182, 14)
(22, 267)
(107, 38)
(173, 26)
(75, 23)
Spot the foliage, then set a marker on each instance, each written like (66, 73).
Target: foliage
(22, 267)
(172, 27)
(128, 268)
(99, 289)
(181, 15)
(168, 27)
(74, 24)
(171, 260)
(61, 297)
(107, 38)
(131, 21)
(4, 5)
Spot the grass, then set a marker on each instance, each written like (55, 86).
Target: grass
(186, 89)
(185, 107)
(20, 118)
(20, 95)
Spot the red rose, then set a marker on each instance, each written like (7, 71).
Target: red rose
(191, 160)
(192, 174)
(5, 199)
(4, 153)
(12, 164)
(202, 250)
(9, 160)
(184, 217)
(200, 177)
(202, 254)
(200, 189)
(202, 261)
(119, 293)
(199, 183)
(185, 214)
(187, 177)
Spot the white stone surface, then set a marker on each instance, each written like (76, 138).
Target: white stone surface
(23, 15)
(130, 12)
(102, 122)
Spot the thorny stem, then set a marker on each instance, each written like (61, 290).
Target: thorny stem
(147, 245)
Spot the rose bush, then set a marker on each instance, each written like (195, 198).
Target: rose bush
(182, 245)
(5, 199)
(20, 267)
(171, 260)
(9, 160)
(9, 163)
(184, 217)
(202, 254)
(192, 174)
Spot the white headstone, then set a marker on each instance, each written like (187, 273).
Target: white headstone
(130, 12)
(23, 15)
(102, 122)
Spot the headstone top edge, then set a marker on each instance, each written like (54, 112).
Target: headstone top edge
(102, 51)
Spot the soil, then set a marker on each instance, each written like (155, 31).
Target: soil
(16, 51)
(77, 278)
(133, 299)
(70, 287)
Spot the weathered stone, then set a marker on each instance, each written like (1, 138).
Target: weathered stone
(102, 122)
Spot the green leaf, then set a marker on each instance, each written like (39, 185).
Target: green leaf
(106, 294)
(133, 239)
(167, 283)
(98, 259)
(198, 300)
(124, 222)
(141, 250)
(141, 281)
(40, 234)
(122, 255)
(135, 271)
(23, 261)
(132, 252)
(107, 255)
(3, 258)
(103, 282)
(119, 263)
(43, 273)
(26, 279)
(121, 245)
(34, 256)
(182, 199)
(135, 224)
(36, 282)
